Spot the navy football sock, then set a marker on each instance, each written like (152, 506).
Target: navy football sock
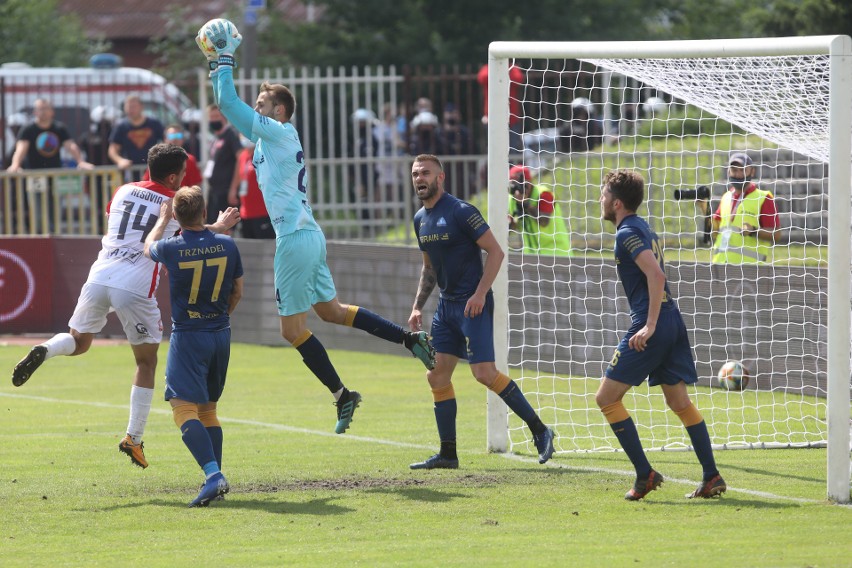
(375, 324)
(628, 437)
(445, 416)
(703, 449)
(316, 359)
(515, 399)
(215, 433)
(198, 442)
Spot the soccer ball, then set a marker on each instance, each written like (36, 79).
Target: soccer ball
(733, 376)
(204, 41)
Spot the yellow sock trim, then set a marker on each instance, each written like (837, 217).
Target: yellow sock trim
(209, 418)
(302, 338)
(184, 412)
(350, 315)
(615, 412)
(500, 383)
(444, 393)
(690, 416)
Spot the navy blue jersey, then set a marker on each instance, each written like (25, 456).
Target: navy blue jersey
(634, 236)
(448, 233)
(202, 268)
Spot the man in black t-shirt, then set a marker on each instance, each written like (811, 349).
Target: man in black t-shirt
(133, 136)
(221, 173)
(39, 142)
(37, 148)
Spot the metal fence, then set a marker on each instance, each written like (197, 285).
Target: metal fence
(360, 129)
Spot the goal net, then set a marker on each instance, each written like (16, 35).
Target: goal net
(676, 112)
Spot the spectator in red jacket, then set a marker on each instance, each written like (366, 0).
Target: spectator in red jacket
(255, 222)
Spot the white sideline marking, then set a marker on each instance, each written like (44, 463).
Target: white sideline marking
(270, 425)
(285, 428)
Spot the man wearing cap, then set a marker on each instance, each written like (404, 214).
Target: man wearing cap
(535, 214)
(745, 225)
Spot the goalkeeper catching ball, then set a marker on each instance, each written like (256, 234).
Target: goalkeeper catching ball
(302, 278)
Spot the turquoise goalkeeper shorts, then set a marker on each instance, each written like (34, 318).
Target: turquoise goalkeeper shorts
(302, 277)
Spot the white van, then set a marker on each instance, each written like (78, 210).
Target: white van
(74, 92)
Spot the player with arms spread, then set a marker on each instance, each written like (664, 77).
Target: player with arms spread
(452, 235)
(124, 280)
(302, 277)
(655, 347)
(206, 283)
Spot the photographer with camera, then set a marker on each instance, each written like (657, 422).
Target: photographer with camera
(535, 214)
(745, 225)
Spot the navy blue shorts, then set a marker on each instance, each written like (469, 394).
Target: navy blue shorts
(667, 358)
(466, 338)
(197, 365)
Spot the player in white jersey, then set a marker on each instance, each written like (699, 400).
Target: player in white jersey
(302, 278)
(123, 280)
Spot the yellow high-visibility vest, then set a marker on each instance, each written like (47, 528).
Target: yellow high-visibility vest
(732, 246)
(550, 240)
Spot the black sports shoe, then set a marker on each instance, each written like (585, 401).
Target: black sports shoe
(544, 444)
(420, 345)
(28, 365)
(713, 488)
(436, 462)
(644, 486)
(346, 406)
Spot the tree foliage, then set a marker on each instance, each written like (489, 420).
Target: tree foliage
(38, 33)
(445, 31)
(421, 32)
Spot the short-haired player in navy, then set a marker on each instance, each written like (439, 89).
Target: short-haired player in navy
(655, 347)
(452, 235)
(206, 284)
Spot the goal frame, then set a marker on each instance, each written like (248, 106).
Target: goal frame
(839, 48)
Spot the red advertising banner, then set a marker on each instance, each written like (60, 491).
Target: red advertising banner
(26, 285)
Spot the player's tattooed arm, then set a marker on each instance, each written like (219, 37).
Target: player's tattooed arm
(428, 279)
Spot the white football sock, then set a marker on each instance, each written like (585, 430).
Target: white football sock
(140, 407)
(60, 344)
(338, 394)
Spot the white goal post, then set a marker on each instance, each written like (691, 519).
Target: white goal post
(675, 110)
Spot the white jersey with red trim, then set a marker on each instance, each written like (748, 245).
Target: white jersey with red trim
(132, 214)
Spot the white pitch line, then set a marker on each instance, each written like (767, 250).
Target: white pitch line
(295, 429)
(271, 425)
(689, 482)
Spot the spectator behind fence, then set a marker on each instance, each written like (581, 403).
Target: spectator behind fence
(255, 222)
(390, 144)
(516, 110)
(39, 147)
(221, 169)
(191, 120)
(457, 141)
(425, 137)
(745, 225)
(176, 136)
(584, 130)
(364, 148)
(133, 136)
(39, 143)
(536, 215)
(95, 141)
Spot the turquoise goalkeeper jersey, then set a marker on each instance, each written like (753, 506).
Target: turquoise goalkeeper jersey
(278, 158)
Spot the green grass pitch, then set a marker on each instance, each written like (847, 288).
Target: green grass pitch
(302, 496)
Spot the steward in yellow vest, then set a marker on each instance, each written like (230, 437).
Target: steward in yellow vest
(535, 214)
(745, 225)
